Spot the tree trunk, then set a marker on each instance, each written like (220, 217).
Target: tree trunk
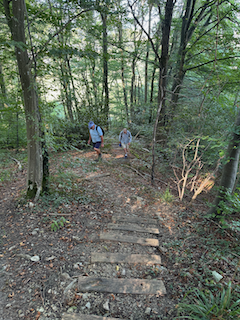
(230, 169)
(122, 68)
(35, 159)
(3, 87)
(147, 56)
(187, 29)
(105, 68)
(166, 27)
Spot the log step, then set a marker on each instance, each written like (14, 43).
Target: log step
(125, 258)
(115, 285)
(130, 239)
(132, 227)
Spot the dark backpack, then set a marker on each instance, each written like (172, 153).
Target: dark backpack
(100, 128)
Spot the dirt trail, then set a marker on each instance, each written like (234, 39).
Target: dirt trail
(49, 288)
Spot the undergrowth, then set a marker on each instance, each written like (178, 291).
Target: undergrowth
(202, 250)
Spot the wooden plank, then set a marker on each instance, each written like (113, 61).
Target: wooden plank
(132, 227)
(130, 239)
(78, 316)
(115, 285)
(125, 258)
(138, 220)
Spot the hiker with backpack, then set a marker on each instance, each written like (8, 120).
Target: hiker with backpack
(125, 138)
(96, 135)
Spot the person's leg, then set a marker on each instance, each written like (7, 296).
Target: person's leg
(125, 149)
(97, 149)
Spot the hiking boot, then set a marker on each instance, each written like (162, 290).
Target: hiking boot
(100, 157)
(125, 157)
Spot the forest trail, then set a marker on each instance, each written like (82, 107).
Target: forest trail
(108, 261)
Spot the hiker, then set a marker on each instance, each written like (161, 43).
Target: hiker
(96, 135)
(125, 138)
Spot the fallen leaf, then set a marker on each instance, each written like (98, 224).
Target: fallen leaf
(113, 296)
(11, 295)
(38, 315)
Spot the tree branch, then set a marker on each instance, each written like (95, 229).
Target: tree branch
(61, 29)
(211, 61)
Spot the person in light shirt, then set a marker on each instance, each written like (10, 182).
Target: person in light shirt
(96, 135)
(125, 138)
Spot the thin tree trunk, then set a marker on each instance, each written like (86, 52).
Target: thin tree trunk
(229, 170)
(105, 68)
(122, 68)
(147, 55)
(2, 85)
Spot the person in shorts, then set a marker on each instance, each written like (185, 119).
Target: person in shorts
(96, 135)
(125, 138)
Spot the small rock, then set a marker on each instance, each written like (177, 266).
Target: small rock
(54, 308)
(50, 258)
(35, 258)
(88, 305)
(41, 309)
(65, 276)
(161, 269)
(71, 309)
(148, 310)
(8, 305)
(123, 272)
(34, 232)
(85, 296)
(77, 265)
(106, 305)
(189, 275)
(162, 249)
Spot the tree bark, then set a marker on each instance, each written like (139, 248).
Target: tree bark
(122, 67)
(15, 21)
(147, 56)
(105, 68)
(230, 169)
(166, 27)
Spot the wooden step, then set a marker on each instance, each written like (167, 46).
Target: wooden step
(130, 239)
(125, 258)
(79, 316)
(138, 220)
(132, 227)
(115, 285)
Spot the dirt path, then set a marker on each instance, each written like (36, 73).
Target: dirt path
(40, 268)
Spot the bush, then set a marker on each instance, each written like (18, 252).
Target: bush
(207, 306)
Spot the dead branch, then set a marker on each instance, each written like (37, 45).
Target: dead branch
(18, 162)
(124, 165)
(205, 181)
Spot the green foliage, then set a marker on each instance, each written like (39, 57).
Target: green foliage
(205, 305)
(63, 135)
(57, 224)
(12, 128)
(167, 196)
(229, 204)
